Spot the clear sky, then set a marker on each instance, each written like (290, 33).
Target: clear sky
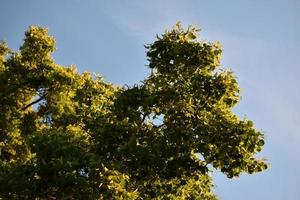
(261, 43)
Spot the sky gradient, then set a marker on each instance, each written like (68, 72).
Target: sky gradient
(261, 45)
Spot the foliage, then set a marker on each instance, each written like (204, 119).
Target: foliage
(65, 135)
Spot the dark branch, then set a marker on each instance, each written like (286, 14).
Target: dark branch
(144, 117)
(39, 99)
(34, 102)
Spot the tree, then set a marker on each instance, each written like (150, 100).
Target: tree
(65, 135)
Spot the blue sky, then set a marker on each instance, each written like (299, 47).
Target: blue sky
(261, 43)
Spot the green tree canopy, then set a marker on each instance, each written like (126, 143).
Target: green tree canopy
(65, 135)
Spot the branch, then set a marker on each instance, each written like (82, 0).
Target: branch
(159, 126)
(34, 102)
(39, 99)
(144, 117)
